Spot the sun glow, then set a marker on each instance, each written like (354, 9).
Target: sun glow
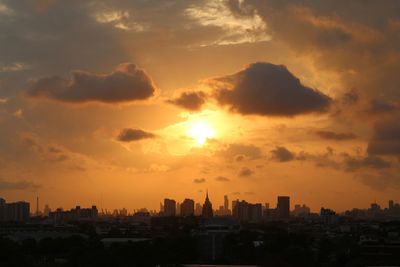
(200, 132)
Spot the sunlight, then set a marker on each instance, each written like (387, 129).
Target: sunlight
(201, 131)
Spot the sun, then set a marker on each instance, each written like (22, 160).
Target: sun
(200, 132)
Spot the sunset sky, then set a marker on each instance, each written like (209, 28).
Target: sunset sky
(124, 103)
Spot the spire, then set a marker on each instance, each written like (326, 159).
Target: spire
(207, 195)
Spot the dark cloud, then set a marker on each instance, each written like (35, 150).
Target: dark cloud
(330, 135)
(239, 152)
(245, 172)
(386, 139)
(268, 89)
(321, 160)
(282, 154)
(373, 162)
(199, 180)
(382, 106)
(126, 83)
(222, 179)
(190, 100)
(350, 97)
(17, 185)
(130, 134)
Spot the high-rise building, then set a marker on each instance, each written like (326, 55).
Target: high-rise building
(198, 209)
(187, 208)
(2, 209)
(391, 204)
(46, 210)
(283, 207)
(17, 211)
(169, 207)
(207, 211)
(244, 211)
(226, 204)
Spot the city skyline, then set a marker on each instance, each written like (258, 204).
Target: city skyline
(123, 103)
(227, 204)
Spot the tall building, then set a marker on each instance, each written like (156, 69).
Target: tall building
(207, 208)
(178, 209)
(248, 212)
(391, 204)
(2, 209)
(46, 210)
(283, 207)
(187, 208)
(198, 209)
(17, 211)
(169, 207)
(226, 203)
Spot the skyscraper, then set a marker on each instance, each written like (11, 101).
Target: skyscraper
(226, 204)
(207, 208)
(244, 211)
(169, 207)
(283, 207)
(187, 208)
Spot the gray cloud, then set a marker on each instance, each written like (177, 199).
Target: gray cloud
(130, 134)
(386, 139)
(199, 180)
(245, 172)
(382, 106)
(268, 89)
(222, 179)
(126, 83)
(330, 135)
(18, 185)
(190, 100)
(239, 152)
(374, 162)
(282, 154)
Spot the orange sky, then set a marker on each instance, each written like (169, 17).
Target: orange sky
(121, 104)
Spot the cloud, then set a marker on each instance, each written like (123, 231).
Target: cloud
(126, 83)
(386, 139)
(199, 180)
(190, 100)
(374, 162)
(382, 106)
(239, 152)
(330, 135)
(282, 154)
(131, 134)
(269, 90)
(18, 185)
(222, 179)
(245, 172)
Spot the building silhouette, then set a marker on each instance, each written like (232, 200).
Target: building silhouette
(207, 211)
(198, 210)
(169, 207)
(60, 216)
(187, 208)
(283, 207)
(15, 211)
(247, 212)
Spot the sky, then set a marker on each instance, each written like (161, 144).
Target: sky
(124, 103)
